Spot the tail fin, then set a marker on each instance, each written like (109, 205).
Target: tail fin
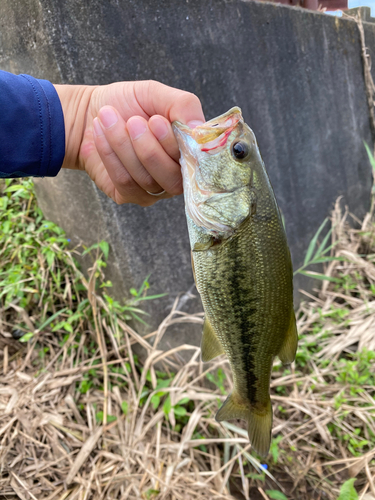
(259, 422)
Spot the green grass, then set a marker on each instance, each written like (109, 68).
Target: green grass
(39, 272)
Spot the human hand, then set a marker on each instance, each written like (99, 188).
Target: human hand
(121, 135)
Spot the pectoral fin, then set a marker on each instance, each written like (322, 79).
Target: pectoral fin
(259, 421)
(201, 246)
(210, 347)
(288, 349)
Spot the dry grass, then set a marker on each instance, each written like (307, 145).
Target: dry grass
(59, 440)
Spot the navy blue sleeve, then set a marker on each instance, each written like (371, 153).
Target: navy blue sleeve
(32, 132)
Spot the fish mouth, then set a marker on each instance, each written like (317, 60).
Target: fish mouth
(215, 133)
(209, 138)
(212, 134)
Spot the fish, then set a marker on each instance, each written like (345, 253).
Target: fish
(241, 264)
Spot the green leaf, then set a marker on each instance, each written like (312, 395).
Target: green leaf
(14, 187)
(323, 244)
(155, 401)
(152, 297)
(323, 260)
(68, 327)
(125, 407)
(6, 226)
(370, 156)
(320, 276)
(183, 401)
(106, 284)
(104, 247)
(274, 448)
(51, 318)
(162, 384)
(327, 249)
(85, 386)
(135, 316)
(276, 495)
(312, 244)
(26, 337)
(347, 491)
(145, 285)
(50, 256)
(110, 418)
(88, 250)
(167, 406)
(150, 493)
(179, 411)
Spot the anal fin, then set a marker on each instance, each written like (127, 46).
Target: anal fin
(259, 421)
(288, 349)
(210, 346)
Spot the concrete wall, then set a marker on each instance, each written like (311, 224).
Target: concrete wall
(297, 76)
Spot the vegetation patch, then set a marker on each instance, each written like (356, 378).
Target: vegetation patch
(89, 409)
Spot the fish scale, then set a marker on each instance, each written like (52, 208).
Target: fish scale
(241, 263)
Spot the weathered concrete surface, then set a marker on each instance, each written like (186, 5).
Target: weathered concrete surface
(297, 76)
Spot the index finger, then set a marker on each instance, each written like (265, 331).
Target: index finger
(158, 99)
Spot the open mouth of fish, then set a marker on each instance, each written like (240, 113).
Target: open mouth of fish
(211, 138)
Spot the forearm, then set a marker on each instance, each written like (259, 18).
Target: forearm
(74, 100)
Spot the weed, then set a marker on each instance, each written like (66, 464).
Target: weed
(218, 379)
(317, 254)
(347, 491)
(276, 495)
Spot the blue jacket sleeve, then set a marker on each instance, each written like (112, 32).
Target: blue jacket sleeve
(32, 132)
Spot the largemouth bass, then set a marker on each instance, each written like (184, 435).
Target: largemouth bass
(241, 264)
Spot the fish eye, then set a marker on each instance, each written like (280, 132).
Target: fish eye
(240, 150)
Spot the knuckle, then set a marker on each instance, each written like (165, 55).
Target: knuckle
(126, 183)
(107, 154)
(150, 184)
(124, 180)
(151, 156)
(102, 145)
(151, 83)
(189, 99)
(119, 141)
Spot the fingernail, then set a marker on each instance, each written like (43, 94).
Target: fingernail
(97, 128)
(108, 117)
(159, 129)
(136, 128)
(194, 123)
